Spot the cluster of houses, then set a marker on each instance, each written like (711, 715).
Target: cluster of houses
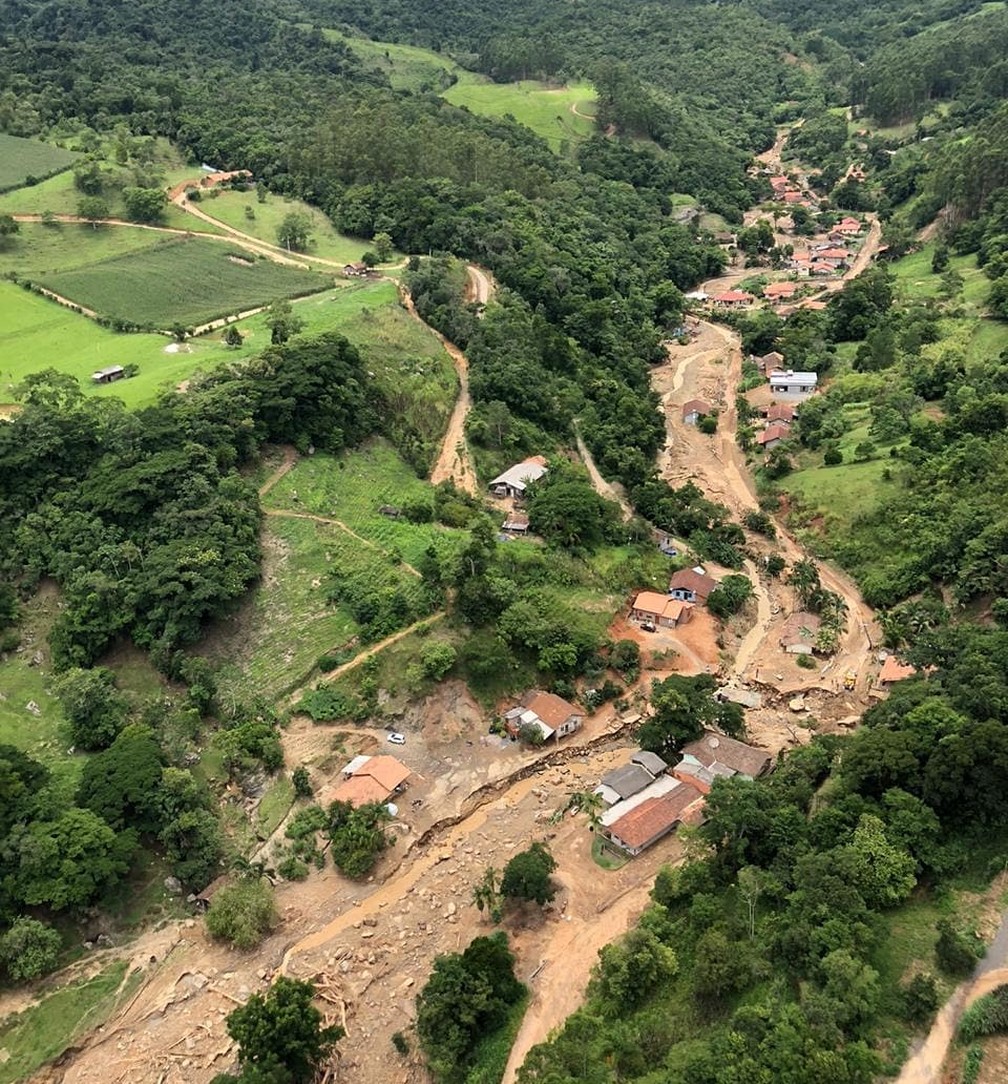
(687, 588)
(786, 191)
(646, 799)
(827, 257)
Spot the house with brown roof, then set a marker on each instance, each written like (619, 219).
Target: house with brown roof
(662, 611)
(720, 754)
(356, 270)
(893, 670)
(834, 257)
(553, 716)
(780, 412)
(516, 523)
(653, 819)
(772, 436)
(369, 779)
(780, 291)
(694, 410)
(691, 585)
(773, 360)
(798, 636)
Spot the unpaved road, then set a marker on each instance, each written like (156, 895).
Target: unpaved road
(608, 490)
(480, 285)
(453, 463)
(710, 368)
(925, 1065)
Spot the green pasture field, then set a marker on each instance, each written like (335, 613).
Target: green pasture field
(188, 281)
(546, 110)
(274, 640)
(408, 361)
(406, 66)
(352, 487)
(24, 158)
(229, 205)
(841, 493)
(36, 250)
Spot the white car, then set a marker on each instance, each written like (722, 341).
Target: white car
(396, 738)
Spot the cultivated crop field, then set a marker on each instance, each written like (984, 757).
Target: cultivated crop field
(547, 111)
(189, 281)
(353, 487)
(21, 159)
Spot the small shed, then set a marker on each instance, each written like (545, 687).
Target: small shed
(109, 375)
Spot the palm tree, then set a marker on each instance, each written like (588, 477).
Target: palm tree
(804, 578)
(486, 894)
(588, 802)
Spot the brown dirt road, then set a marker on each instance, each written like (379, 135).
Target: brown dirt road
(453, 463)
(710, 368)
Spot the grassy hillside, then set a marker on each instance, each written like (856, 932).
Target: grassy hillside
(24, 159)
(405, 66)
(232, 207)
(546, 110)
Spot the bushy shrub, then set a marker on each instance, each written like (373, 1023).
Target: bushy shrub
(957, 951)
(242, 913)
(29, 949)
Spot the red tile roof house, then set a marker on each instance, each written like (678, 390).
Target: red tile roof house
(780, 291)
(772, 436)
(692, 411)
(369, 779)
(659, 610)
(733, 299)
(553, 715)
(799, 634)
(691, 585)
